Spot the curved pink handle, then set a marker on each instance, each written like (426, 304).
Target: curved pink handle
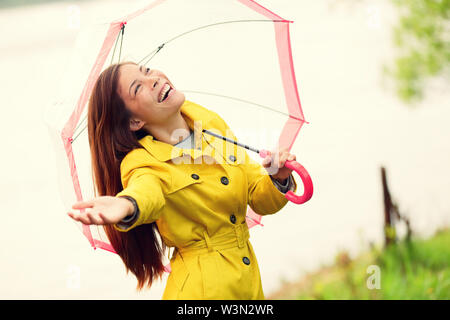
(304, 175)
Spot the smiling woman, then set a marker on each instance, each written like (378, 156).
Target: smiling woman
(163, 94)
(197, 207)
(142, 90)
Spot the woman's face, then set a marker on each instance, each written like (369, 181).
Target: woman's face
(144, 92)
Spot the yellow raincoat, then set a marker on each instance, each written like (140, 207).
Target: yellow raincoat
(198, 198)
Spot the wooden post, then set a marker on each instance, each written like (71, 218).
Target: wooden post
(389, 227)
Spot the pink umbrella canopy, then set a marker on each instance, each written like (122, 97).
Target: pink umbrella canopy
(231, 56)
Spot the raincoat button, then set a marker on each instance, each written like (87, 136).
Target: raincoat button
(233, 219)
(246, 260)
(195, 176)
(232, 158)
(224, 180)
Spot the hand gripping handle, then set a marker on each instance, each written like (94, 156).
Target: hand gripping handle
(304, 175)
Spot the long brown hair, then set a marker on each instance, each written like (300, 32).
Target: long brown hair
(110, 139)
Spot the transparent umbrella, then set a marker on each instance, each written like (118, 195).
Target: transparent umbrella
(232, 57)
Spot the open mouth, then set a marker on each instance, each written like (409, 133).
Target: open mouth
(165, 92)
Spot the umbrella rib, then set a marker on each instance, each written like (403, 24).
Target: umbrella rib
(121, 40)
(78, 134)
(80, 123)
(120, 35)
(231, 140)
(155, 51)
(245, 101)
(114, 50)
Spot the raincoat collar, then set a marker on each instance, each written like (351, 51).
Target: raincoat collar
(197, 118)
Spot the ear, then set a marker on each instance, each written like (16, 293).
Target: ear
(136, 124)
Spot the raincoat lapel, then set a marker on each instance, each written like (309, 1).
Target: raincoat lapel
(197, 118)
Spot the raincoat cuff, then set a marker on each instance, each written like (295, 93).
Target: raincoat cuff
(127, 222)
(289, 184)
(134, 215)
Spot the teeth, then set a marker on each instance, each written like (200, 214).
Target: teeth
(163, 92)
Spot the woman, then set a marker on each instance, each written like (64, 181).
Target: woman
(157, 172)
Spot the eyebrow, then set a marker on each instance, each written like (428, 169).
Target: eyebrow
(134, 81)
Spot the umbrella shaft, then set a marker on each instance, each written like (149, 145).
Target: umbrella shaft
(231, 140)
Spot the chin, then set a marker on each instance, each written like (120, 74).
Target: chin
(178, 99)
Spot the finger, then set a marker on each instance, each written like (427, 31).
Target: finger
(104, 219)
(267, 161)
(79, 217)
(94, 218)
(84, 218)
(282, 159)
(292, 157)
(73, 216)
(281, 151)
(277, 156)
(287, 157)
(270, 156)
(281, 155)
(83, 204)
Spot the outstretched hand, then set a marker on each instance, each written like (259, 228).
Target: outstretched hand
(102, 210)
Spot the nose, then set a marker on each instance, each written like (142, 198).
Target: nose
(154, 80)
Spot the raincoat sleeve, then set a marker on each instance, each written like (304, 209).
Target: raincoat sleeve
(263, 196)
(141, 184)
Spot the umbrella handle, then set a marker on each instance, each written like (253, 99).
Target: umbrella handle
(304, 175)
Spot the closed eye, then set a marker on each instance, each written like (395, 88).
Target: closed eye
(137, 88)
(147, 70)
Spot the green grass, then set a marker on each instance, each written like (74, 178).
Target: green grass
(419, 269)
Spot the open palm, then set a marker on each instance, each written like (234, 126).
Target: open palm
(102, 210)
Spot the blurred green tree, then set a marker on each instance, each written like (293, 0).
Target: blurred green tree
(423, 39)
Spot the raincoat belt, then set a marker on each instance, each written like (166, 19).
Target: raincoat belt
(236, 238)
